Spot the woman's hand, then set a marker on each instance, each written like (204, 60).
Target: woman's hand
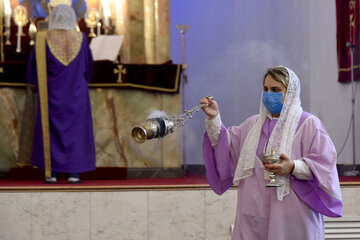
(282, 168)
(210, 107)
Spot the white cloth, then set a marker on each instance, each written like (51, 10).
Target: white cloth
(213, 128)
(62, 17)
(280, 140)
(301, 170)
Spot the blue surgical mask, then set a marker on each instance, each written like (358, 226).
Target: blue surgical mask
(273, 101)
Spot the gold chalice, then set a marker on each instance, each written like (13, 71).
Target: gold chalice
(91, 20)
(272, 158)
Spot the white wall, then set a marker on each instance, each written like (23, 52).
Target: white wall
(330, 100)
(231, 43)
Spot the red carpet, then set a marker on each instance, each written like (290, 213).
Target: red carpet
(101, 173)
(112, 179)
(198, 182)
(345, 179)
(194, 180)
(103, 178)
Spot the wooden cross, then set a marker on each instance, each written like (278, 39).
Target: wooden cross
(119, 70)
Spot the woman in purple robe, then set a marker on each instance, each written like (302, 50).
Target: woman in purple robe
(307, 174)
(67, 58)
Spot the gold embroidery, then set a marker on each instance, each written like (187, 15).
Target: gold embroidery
(64, 44)
(348, 69)
(119, 70)
(43, 96)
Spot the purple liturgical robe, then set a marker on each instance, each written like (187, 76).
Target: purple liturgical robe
(70, 120)
(260, 215)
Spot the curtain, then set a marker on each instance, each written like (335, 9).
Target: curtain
(347, 17)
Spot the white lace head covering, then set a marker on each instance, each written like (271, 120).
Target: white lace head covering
(280, 139)
(62, 17)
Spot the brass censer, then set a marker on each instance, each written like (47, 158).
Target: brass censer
(161, 126)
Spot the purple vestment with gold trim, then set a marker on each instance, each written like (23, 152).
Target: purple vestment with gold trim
(71, 129)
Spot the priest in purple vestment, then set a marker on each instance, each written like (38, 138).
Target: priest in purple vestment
(64, 110)
(309, 183)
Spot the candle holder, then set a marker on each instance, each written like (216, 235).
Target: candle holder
(98, 27)
(20, 19)
(7, 18)
(7, 34)
(32, 32)
(108, 26)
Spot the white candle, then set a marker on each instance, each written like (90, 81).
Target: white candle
(7, 20)
(107, 21)
(7, 12)
(98, 28)
(18, 43)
